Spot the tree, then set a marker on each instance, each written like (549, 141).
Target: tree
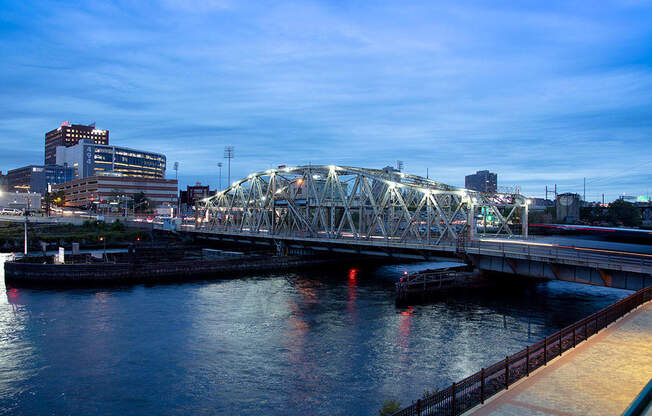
(141, 202)
(57, 198)
(624, 212)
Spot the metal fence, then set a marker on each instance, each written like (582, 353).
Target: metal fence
(475, 389)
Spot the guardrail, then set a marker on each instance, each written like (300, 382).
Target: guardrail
(475, 389)
(586, 256)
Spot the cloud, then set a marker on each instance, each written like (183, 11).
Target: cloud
(543, 94)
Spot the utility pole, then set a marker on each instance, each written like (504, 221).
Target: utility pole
(219, 165)
(584, 197)
(399, 165)
(546, 192)
(26, 214)
(555, 192)
(229, 153)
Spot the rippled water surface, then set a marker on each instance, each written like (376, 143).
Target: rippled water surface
(309, 343)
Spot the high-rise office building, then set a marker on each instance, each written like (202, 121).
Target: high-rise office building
(482, 181)
(91, 159)
(69, 135)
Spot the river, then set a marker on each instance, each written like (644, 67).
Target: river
(327, 342)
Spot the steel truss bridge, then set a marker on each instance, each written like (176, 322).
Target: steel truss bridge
(383, 211)
(334, 203)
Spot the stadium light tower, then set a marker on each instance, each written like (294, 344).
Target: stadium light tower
(229, 153)
(219, 165)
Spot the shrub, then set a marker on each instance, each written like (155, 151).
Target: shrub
(390, 407)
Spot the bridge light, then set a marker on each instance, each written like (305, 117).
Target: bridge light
(300, 181)
(316, 177)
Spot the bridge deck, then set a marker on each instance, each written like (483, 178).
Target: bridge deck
(583, 253)
(599, 377)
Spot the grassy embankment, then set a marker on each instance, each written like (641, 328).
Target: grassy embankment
(89, 234)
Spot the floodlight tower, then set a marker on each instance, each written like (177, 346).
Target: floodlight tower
(229, 153)
(219, 165)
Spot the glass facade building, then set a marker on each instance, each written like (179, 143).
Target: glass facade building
(91, 159)
(36, 178)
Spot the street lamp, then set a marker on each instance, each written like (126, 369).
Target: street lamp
(104, 240)
(229, 153)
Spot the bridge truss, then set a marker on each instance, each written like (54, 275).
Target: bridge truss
(339, 202)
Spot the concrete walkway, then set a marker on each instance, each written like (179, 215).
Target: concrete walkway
(600, 377)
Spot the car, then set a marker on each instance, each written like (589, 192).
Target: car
(10, 211)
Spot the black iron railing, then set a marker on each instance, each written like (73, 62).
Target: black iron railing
(475, 389)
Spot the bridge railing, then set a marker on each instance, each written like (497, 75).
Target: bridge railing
(577, 255)
(475, 389)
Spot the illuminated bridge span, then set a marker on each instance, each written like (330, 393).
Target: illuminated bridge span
(386, 212)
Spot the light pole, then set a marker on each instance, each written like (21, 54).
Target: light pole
(176, 176)
(229, 153)
(26, 214)
(219, 165)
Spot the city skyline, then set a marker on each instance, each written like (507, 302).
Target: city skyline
(539, 96)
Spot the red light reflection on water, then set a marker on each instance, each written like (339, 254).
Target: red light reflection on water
(353, 290)
(353, 283)
(404, 330)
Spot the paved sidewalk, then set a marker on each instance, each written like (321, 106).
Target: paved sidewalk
(600, 377)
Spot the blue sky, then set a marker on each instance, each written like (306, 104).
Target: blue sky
(539, 92)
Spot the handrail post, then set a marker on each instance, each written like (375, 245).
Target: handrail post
(482, 385)
(574, 341)
(419, 407)
(453, 399)
(586, 322)
(527, 361)
(545, 351)
(560, 343)
(507, 372)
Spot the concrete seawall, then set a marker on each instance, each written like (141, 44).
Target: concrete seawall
(28, 274)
